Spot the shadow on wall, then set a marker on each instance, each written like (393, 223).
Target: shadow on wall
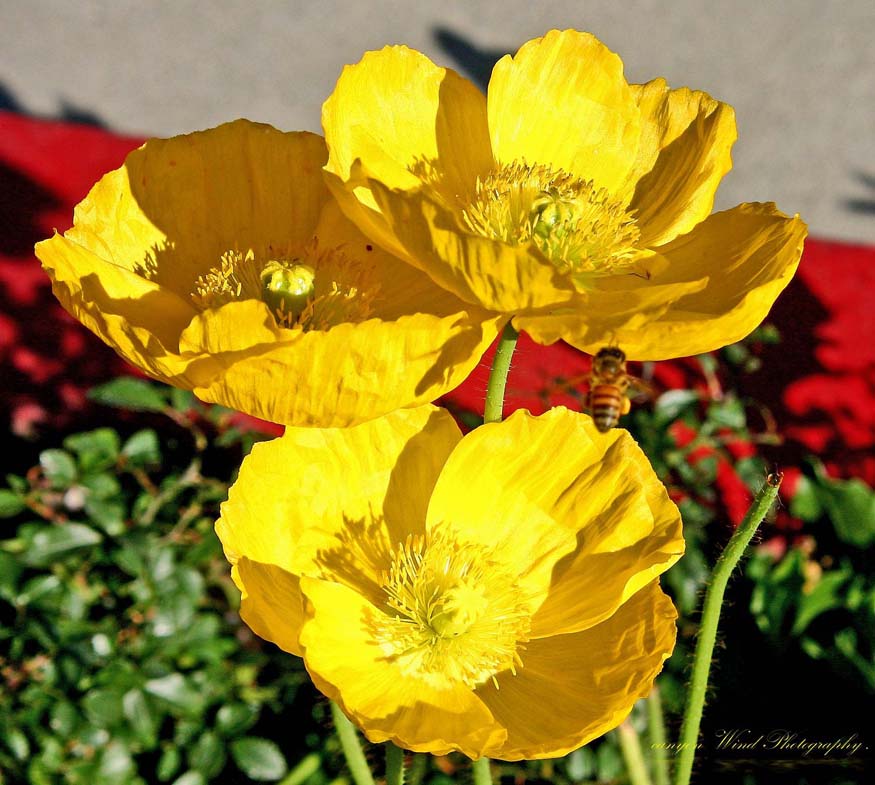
(865, 204)
(67, 112)
(476, 63)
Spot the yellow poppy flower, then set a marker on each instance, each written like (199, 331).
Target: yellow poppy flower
(218, 262)
(495, 594)
(569, 199)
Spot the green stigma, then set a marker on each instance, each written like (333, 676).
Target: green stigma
(287, 287)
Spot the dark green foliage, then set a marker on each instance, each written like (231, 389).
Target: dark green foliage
(821, 594)
(122, 657)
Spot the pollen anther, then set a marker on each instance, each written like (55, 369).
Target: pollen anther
(455, 613)
(578, 226)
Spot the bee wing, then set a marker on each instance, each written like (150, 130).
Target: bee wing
(640, 390)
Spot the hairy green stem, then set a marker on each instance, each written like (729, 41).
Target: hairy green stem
(493, 410)
(394, 765)
(630, 746)
(482, 772)
(351, 746)
(656, 726)
(710, 618)
(418, 768)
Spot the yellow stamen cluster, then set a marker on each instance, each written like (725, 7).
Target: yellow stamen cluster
(455, 613)
(579, 227)
(314, 289)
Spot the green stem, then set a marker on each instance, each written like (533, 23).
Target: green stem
(482, 772)
(351, 746)
(394, 765)
(418, 768)
(630, 745)
(656, 726)
(710, 619)
(493, 410)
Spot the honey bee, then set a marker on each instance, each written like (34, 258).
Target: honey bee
(609, 383)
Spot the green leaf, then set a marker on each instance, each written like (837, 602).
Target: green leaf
(97, 450)
(233, 718)
(190, 778)
(17, 743)
(174, 690)
(850, 505)
(259, 759)
(10, 570)
(168, 763)
(670, 404)
(64, 719)
(823, 597)
(143, 449)
(208, 755)
(10, 504)
(59, 467)
(126, 392)
(109, 514)
(728, 413)
(47, 544)
(805, 503)
(16, 483)
(116, 765)
(103, 707)
(580, 764)
(141, 717)
(609, 762)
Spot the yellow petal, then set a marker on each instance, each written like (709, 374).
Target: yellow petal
(272, 604)
(573, 688)
(496, 276)
(746, 255)
(349, 666)
(629, 533)
(350, 373)
(686, 141)
(621, 303)
(138, 318)
(562, 101)
(402, 115)
(518, 485)
(404, 290)
(178, 204)
(404, 121)
(337, 500)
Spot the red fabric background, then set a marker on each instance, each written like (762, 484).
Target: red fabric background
(819, 381)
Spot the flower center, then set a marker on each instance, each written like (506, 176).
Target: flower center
(314, 289)
(456, 614)
(582, 229)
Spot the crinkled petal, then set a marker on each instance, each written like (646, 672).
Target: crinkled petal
(178, 204)
(427, 121)
(687, 137)
(403, 289)
(342, 376)
(595, 318)
(518, 486)
(562, 101)
(141, 320)
(629, 532)
(574, 688)
(347, 663)
(271, 603)
(336, 501)
(406, 122)
(492, 274)
(747, 255)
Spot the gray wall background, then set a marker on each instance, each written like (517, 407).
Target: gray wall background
(800, 73)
